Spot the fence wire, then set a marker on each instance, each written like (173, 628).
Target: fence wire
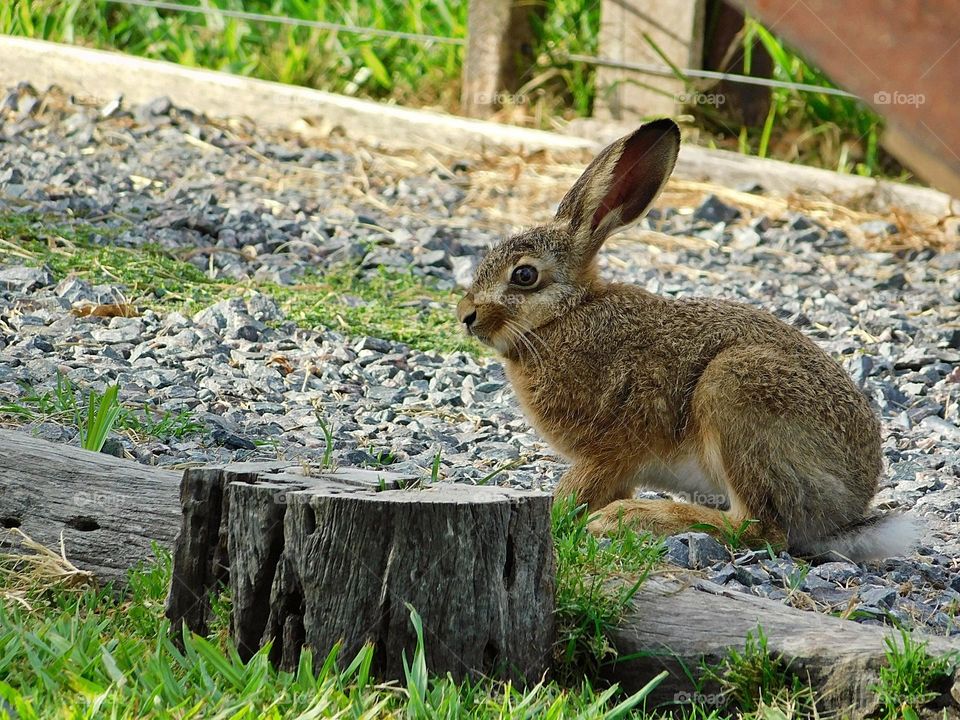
(644, 68)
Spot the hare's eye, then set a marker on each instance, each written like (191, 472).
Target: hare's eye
(524, 276)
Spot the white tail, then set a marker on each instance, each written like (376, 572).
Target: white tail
(876, 538)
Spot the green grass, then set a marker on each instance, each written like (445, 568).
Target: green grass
(386, 303)
(102, 414)
(95, 653)
(758, 683)
(392, 68)
(94, 415)
(596, 579)
(829, 131)
(912, 677)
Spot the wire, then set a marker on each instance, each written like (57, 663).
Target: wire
(284, 20)
(659, 70)
(709, 74)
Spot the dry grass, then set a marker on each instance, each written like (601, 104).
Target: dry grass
(37, 569)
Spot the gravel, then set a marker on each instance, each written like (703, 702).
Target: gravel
(264, 206)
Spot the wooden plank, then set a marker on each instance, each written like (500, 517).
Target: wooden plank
(674, 26)
(101, 76)
(676, 625)
(724, 167)
(313, 561)
(498, 36)
(109, 510)
(902, 60)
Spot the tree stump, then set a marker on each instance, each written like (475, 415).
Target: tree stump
(336, 557)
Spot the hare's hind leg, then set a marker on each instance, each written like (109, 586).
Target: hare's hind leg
(667, 517)
(762, 421)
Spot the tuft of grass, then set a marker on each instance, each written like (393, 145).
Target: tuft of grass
(596, 579)
(760, 685)
(326, 461)
(733, 536)
(912, 677)
(388, 303)
(102, 414)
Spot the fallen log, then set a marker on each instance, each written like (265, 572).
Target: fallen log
(340, 558)
(108, 510)
(677, 625)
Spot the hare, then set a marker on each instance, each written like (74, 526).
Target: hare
(710, 400)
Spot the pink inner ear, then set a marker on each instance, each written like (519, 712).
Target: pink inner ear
(642, 168)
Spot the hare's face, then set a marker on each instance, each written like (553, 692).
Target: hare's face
(522, 284)
(538, 276)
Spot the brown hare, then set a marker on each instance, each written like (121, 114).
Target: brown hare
(710, 400)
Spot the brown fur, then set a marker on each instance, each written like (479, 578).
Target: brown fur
(706, 398)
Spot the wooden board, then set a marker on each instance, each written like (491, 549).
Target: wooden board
(902, 58)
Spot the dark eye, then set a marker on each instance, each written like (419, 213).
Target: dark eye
(524, 276)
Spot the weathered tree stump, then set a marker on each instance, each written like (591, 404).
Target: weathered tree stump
(317, 560)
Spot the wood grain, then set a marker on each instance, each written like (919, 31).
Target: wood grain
(109, 510)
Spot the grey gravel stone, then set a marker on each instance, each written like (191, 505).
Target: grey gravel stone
(24, 279)
(714, 210)
(705, 550)
(677, 551)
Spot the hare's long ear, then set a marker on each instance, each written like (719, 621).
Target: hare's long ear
(620, 184)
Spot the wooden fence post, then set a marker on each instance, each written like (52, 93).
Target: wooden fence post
(498, 35)
(674, 26)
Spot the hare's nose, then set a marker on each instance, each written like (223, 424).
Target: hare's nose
(467, 311)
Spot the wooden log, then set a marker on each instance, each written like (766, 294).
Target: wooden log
(677, 625)
(109, 510)
(675, 26)
(498, 36)
(337, 557)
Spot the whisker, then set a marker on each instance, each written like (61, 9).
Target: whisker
(521, 335)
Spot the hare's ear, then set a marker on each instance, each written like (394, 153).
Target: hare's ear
(620, 184)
